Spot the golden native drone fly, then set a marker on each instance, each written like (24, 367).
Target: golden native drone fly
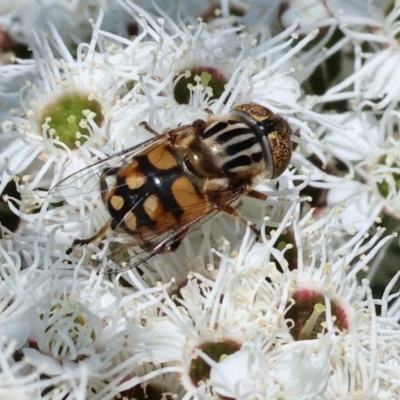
(170, 184)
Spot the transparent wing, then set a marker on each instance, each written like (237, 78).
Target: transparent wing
(86, 180)
(123, 256)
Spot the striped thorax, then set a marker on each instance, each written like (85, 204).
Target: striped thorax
(250, 143)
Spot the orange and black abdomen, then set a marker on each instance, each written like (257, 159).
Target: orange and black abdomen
(153, 194)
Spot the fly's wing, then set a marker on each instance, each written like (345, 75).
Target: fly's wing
(86, 181)
(120, 258)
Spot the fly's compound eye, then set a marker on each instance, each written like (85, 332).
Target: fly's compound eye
(274, 134)
(280, 145)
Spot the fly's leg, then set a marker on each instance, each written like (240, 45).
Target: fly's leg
(99, 234)
(148, 128)
(254, 194)
(153, 248)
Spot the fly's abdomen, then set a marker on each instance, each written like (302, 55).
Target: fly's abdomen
(154, 194)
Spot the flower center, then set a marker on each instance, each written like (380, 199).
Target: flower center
(200, 369)
(147, 392)
(309, 316)
(7, 216)
(286, 242)
(65, 332)
(388, 182)
(67, 118)
(206, 78)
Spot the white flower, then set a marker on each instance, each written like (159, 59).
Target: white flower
(320, 278)
(65, 337)
(347, 314)
(369, 352)
(243, 374)
(78, 335)
(19, 283)
(305, 12)
(205, 316)
(37, 154)
(266, 324)
(70, 324)
(371, 153)
(17, 380)
(19, 18)
(373, 82)
(71, 321)
(365, 186)
(162, 386)
(229, 314)
(296, 372)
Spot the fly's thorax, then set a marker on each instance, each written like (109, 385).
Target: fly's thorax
(227, 148)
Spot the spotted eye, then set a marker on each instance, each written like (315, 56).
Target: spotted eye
(280, 145)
